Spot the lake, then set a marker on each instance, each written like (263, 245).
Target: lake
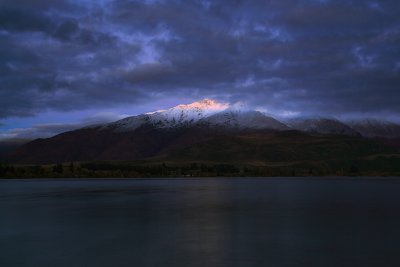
(200, 222)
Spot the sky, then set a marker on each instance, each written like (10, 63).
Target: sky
(69, 63)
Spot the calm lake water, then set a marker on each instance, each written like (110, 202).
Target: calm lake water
(200, 222)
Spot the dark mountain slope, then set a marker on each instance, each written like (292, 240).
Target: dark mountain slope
(323, 126)
(94, 144)
(9, 145)
(270, 146)
(375, 128)
(194, 143)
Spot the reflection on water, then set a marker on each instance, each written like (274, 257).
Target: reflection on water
(200, 222)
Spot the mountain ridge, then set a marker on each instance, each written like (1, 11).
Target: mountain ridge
(212, 113)
(210, 128)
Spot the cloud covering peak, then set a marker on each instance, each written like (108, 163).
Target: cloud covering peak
(290, 57)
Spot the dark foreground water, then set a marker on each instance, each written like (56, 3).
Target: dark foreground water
(200, 222)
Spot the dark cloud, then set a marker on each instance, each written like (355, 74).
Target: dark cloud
(308, 57)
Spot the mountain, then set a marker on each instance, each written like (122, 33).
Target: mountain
(205, 112)
(244, 120)
(375, 128)
(178, 116)
(9, 145)
(208, 131)
(196, 143)
(322, 126)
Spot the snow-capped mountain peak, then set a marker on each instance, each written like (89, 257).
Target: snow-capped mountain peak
(177, 116)
(189, 113)
(213, 114)
(205, 104)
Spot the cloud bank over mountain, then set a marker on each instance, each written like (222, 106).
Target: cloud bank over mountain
(337, 58)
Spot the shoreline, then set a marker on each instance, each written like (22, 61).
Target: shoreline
(330, 178)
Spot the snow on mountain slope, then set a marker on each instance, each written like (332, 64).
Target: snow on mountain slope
(127, 124)
(190, 113)
(212, 113)
(244, 119)
(180, 115)
(322, 126)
